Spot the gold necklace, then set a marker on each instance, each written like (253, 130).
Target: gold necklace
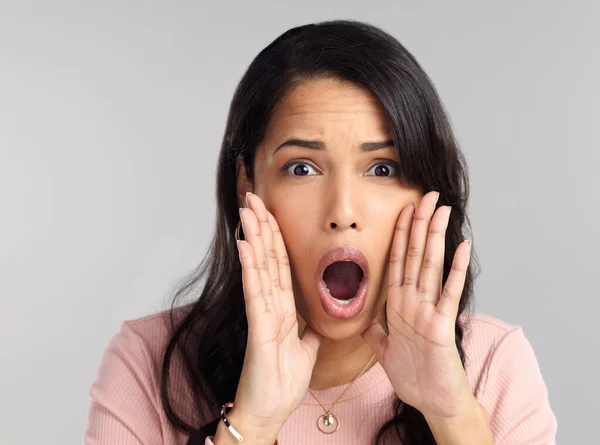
(328, 423)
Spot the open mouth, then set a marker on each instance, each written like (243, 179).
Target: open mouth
(342, 282)
(343, 279)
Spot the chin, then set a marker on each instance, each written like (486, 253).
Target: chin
(339, 330)
(335, 327)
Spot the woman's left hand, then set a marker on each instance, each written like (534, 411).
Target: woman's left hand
(419, 353)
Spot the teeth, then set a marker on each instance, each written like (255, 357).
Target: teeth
(343, 302)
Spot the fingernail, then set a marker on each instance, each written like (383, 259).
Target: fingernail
(241, 219)
(237, 242)
(247, 202)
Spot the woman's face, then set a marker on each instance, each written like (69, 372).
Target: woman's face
(338, 195)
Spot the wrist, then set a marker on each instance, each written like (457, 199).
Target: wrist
(471, 426)
(254, 431)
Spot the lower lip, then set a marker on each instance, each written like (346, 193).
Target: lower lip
(343, 311)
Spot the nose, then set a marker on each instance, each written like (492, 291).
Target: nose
(343, 209)
(335, 225)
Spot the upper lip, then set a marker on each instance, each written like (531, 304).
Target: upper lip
(341, 254)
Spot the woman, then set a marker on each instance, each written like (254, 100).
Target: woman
(342, 313)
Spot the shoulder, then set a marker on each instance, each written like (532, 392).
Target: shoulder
(136, 349)
(486, 341)
(482, 335)
(150, 332)
(506, 379)
(124, 398)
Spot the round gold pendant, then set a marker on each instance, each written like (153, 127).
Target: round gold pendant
(328, 423)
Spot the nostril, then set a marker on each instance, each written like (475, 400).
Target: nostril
(334, 225)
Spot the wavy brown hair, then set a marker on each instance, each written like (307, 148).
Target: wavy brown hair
(208, 341)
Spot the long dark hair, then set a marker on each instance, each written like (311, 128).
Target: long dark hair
(208, 341)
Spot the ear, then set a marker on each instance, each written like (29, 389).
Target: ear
(243, 184)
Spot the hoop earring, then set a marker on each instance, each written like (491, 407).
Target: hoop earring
(237, 230)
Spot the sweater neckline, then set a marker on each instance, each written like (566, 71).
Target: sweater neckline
(375, 376)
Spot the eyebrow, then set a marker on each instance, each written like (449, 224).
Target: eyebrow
(319, 145)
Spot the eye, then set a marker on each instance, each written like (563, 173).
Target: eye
(300, 169)
(383, 169)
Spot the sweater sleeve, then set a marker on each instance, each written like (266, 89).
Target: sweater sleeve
(123, 398)
(516, 396)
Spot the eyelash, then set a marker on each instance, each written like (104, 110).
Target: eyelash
(288, 164)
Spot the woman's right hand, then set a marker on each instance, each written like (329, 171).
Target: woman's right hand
(278, 364)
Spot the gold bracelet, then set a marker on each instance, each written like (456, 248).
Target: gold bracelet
(230, 427)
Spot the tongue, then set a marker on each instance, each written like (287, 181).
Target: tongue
(342, 279)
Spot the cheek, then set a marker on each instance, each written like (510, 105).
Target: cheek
(381, 248)
(298, 233)
(295, 227)
(295, 214)
(383, 228)
(299, 229)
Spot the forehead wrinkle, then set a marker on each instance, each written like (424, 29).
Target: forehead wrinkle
(327, 132)
(315, 111)
(305, 115)
(319, 131)
(317, 107)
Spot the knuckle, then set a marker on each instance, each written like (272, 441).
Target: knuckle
(396, 257)
(402, 227)
(429, 263)
(433, 230)
(457, 268)
(413, 251)
(409, 280)
(284, 260)
(394, 284)
(262, 265)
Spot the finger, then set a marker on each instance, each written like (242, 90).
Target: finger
(253, 292)
(286, 294)
(452, 292)
(398, 253)
(433, 262)
(418, 237)
(253, 236)
(262, 214)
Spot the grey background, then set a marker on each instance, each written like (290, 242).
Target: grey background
(111, 116)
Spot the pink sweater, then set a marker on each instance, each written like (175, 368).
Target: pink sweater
(125, 407)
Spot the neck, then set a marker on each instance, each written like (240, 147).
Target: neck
(340, 362)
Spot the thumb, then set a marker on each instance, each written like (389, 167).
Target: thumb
(376, 337)
(312, 339)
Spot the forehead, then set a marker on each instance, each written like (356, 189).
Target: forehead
(319, 106)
